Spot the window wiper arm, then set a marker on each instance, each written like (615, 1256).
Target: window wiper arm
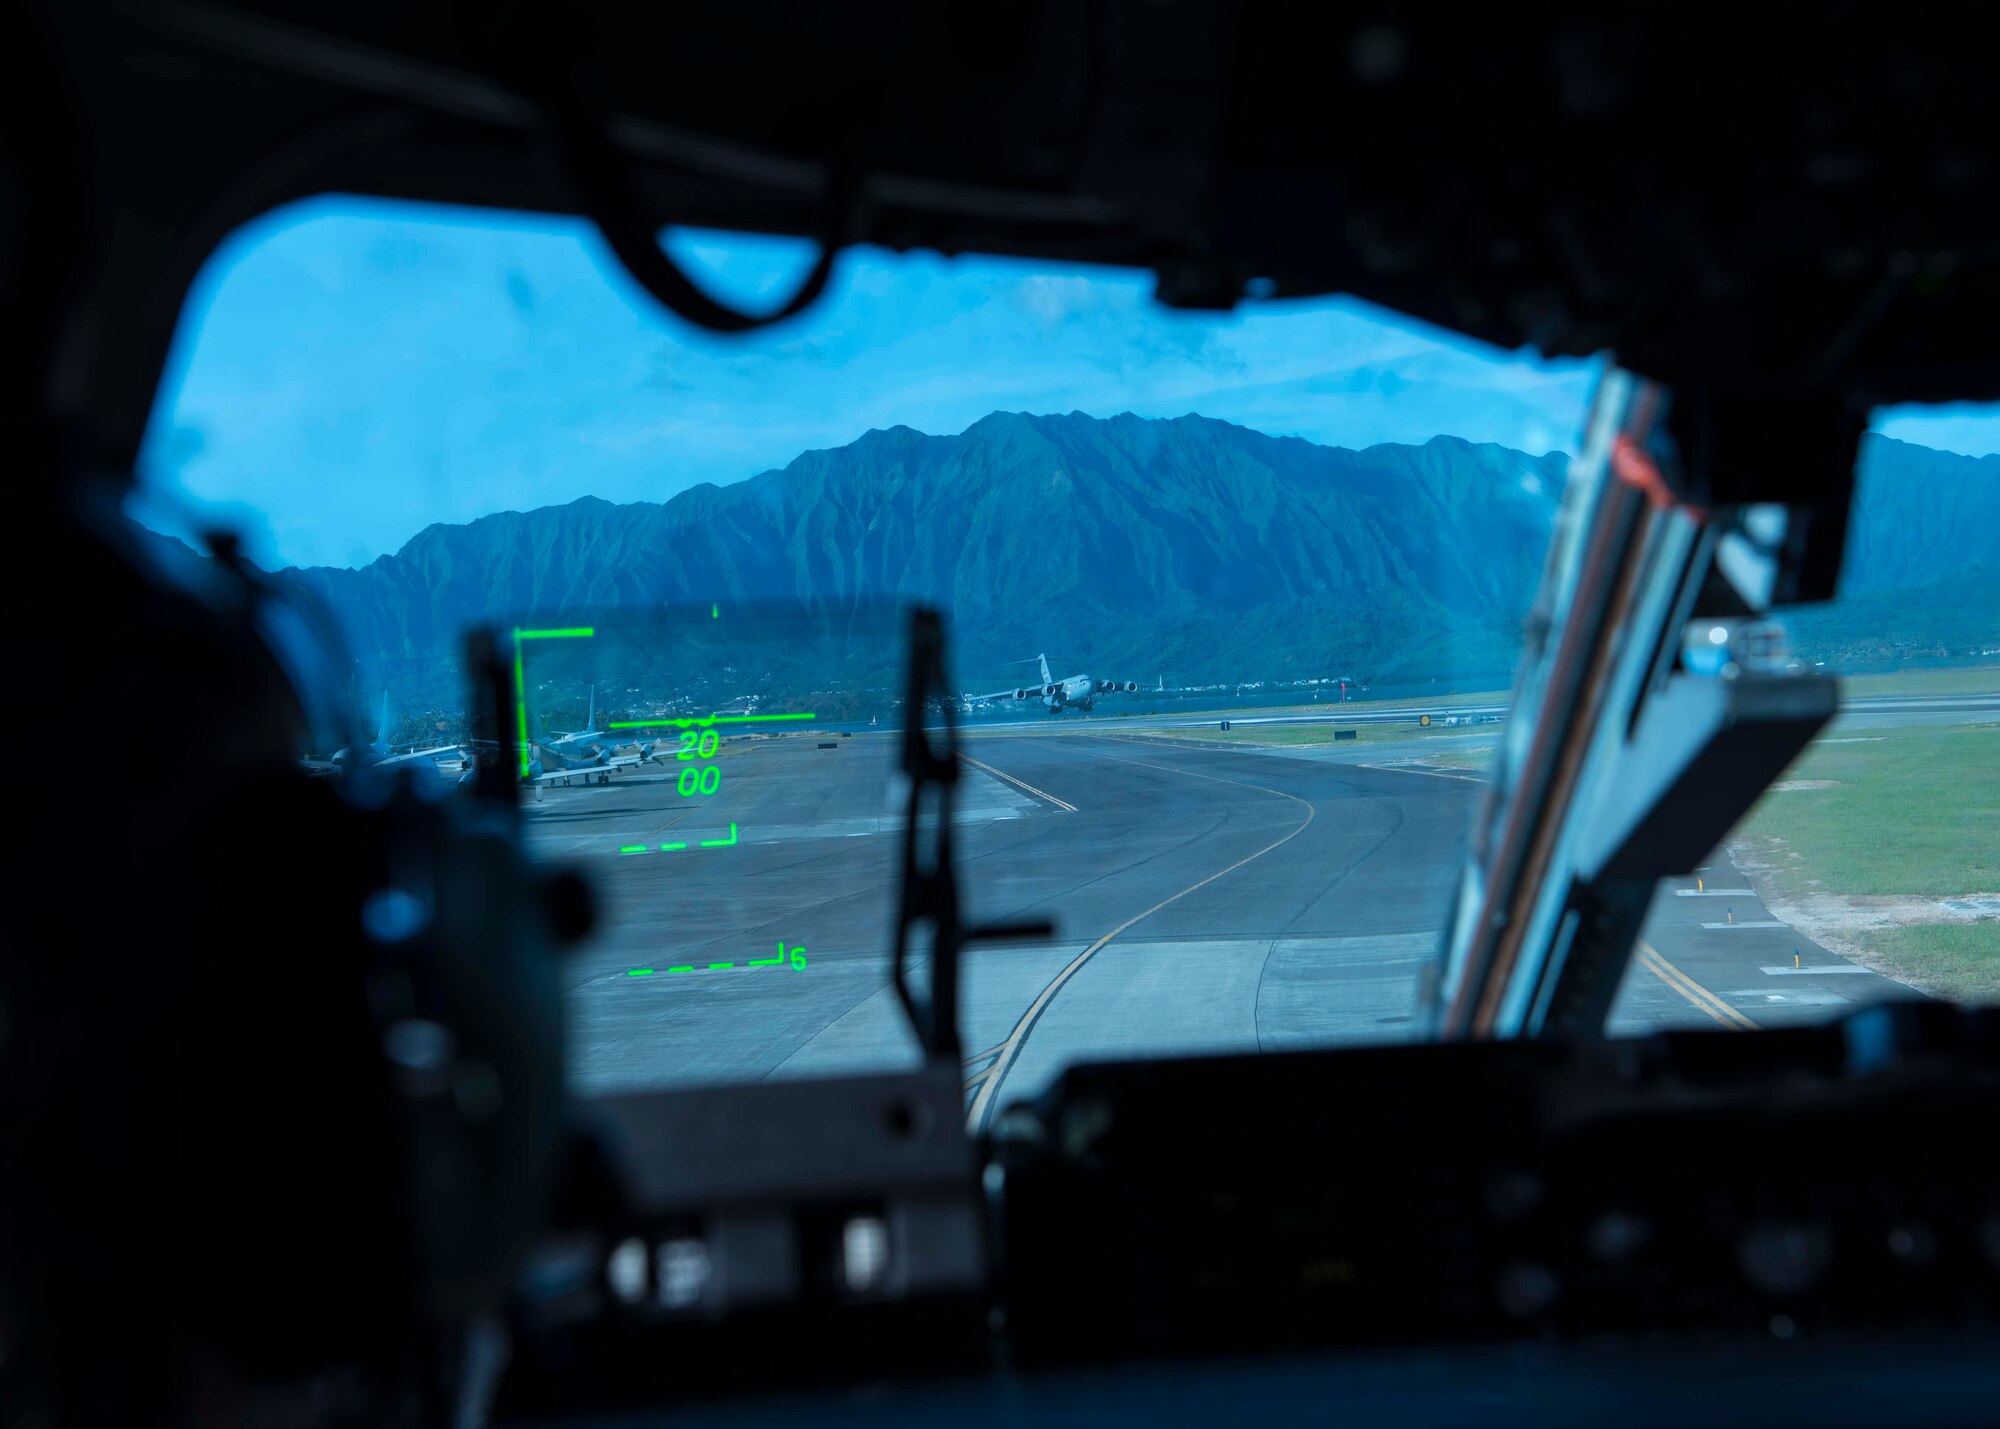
(927, 892)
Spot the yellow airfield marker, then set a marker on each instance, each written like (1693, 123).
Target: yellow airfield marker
(1699, 886)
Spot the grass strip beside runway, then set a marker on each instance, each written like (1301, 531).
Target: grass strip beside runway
(1912, 812)
(1976, 680)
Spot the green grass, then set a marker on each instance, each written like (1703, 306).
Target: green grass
(1271, 734)
(1478, 756)
(1106, 719)
(1301, 734)
(1454, 700)
(1962, 959)
(1916, 811)
(1976, 680)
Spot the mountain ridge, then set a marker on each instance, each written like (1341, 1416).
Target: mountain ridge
(1186, 546)
(900, 428)
(1197, 542)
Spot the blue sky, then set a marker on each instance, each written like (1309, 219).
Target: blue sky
(348, 372)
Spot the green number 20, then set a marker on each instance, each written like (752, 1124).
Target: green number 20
(699, 746)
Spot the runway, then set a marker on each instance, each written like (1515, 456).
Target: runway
(1206, 899)
(1863, 712)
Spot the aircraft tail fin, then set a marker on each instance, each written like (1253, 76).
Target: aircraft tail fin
(590, 717)
(1047, 678)
(382, 725)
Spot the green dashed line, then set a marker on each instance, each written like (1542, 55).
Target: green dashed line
(729, 842)
(796, 956)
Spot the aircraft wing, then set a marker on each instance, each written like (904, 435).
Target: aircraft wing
(437, 752)
(573, 760)
(585, 772)
(1028, 692)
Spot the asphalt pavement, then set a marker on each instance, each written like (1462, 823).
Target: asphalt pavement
(1712, 955)
(1206, 899)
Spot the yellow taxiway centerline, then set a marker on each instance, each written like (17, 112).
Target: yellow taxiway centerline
(1651, 959)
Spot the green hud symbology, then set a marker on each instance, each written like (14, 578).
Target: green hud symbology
(684, 704)
(794, 956)
(726, 841)
(575, 632)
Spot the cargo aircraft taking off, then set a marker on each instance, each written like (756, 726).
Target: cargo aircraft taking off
(1078, 692)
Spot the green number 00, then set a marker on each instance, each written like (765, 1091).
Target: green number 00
(699, 781)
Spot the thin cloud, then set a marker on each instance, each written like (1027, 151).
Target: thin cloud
(360, 369)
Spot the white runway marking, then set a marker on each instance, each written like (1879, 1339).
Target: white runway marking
(1715, 893)
(1790, 999)
(1019, 783)
(1752, 923)
(1462, 778)
(1823, 970)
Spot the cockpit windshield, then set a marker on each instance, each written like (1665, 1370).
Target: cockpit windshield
(1233, 602)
